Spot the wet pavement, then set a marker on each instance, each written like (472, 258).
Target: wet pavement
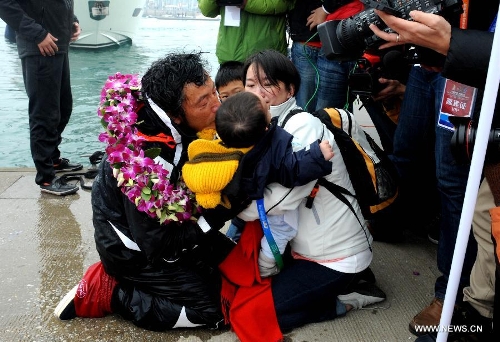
(46, 243)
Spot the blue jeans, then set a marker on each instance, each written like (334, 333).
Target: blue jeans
(332, 89)
(417, 141)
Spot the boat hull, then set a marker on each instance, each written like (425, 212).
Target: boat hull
(107, 23)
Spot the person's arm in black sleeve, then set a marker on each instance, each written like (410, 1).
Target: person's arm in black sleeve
(171, 242)
(160, 241)
(290, 168)
(157, 242)
(468, 57)
(14, 16)
(304, 166)
(11, 13)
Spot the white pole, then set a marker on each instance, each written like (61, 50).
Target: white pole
(476, 168)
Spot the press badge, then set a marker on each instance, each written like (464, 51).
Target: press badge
(458, 100)
(232, 16)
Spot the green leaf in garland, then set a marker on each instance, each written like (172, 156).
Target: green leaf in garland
(146, 193)
(104, 123)
(152, 152)
(163, 217)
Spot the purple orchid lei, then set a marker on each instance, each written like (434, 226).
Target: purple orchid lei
(142, 180)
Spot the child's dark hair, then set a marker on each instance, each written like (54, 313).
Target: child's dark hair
(228, 72)
(241, 120)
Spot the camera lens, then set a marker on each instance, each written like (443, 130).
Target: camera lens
(462, 141)
(464, 138)
(346, 39)
(493, 150)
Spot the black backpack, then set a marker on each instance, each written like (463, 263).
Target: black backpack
(372, 174)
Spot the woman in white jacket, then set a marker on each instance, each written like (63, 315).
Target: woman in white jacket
(331, 248)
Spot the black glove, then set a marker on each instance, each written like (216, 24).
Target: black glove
(218, 216)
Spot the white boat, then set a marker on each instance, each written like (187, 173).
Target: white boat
(107, 23)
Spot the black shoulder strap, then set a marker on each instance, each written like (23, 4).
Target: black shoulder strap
(336, 190)
(349, 118)
(339, 192)
(289, 115)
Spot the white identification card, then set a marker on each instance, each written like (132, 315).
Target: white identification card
(232, 17)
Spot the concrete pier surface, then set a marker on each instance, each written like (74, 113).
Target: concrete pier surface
(46, 243)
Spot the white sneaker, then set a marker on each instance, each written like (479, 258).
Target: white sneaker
(362, 295)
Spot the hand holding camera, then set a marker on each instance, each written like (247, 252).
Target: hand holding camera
(347, 39)
(425, 30)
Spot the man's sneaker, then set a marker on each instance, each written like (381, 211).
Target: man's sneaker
(65, 165)
(361, 295)
(58, 187)
(66, 308)
(91, 297)
(434, 229)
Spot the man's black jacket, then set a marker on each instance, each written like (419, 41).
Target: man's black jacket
(34, 19)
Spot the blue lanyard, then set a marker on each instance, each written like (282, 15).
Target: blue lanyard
(268, 234)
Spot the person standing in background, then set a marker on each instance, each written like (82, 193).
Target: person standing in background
(44, 30)
(463, 49)
(324, 82)
(250, 27)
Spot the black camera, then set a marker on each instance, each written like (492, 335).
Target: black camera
(347, 39)
(464, 138)
(364, 79)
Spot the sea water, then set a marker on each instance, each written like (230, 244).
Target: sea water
(89, 70)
